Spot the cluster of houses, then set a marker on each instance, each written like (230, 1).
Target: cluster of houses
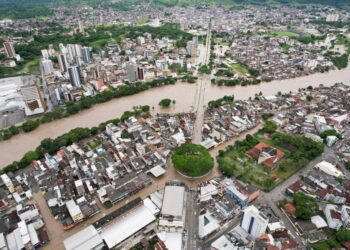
(278, 57)
(22, 226)
(227, 121)
(223, 200)
(329, 185)
(108, 167)
(312, 112)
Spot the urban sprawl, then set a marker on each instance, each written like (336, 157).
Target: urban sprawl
(268, 172)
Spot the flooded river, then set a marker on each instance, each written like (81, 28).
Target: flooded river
(183, 93)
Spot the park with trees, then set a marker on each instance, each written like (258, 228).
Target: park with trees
(192, 160)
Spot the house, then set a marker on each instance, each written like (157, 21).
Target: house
(265, 154)
(333, 217)
(345, 216)
(74, 211)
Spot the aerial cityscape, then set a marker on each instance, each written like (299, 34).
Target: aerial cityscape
(174, 124)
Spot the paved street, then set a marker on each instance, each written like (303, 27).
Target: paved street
(227, 228)
(203, 80)
(191, 223)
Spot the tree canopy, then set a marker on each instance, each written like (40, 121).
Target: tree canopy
(192, 160)
(305, 205)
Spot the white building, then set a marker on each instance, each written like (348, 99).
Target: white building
(329, 169)
(74, 211)
(172, 212)
(254, 222)
(3, 245)
(333, 217)
(127, 226)
(207, 225)
(47, 67)
(332, 18)
(33, 99)
(345, 216)
(86, 239)
(8, 183)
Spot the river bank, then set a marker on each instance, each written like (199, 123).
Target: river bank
(183, 93)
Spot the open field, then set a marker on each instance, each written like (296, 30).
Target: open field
(283, 33)
(239, 68)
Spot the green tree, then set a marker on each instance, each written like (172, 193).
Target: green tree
(165, 102)
(30, 125)
(269, 127)
(305, 205)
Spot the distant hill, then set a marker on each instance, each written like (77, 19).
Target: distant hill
(336, 3)
(32, 8)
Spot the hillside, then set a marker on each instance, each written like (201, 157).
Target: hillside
(33, 8)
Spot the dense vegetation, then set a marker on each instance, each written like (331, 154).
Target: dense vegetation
(339, 61)
(51, 146)
(269, 127)
(165, 102)
(305, 206)
(330, 132)
(192, 160)
(217, 103)
(235, 82)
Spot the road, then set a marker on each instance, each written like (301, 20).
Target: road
(206, 245)
(191, 222)
(49, 105)
(203, 81)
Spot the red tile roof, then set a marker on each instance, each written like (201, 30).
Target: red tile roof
(270, 162)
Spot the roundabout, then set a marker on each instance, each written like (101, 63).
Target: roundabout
(192, 160)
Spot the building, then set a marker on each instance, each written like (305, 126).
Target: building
(329, 169)
(333, 216)
(132, 72)
(345, 216)
(207, 225)
(191, 49)
(33, 99)
(172, 212)
(86, 239)
(80, 27)
(332, 18)
(265, 154)
(140, 73)
(253, 222)
(47, 67)
(8, 183)
(74, 76)
(74, 211)
(62, 61)
(10, 50)
(3, 244)
(126, 226)
(235, 194)
(86, 54)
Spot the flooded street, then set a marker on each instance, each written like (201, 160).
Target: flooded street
(183, 93)
(55, 228)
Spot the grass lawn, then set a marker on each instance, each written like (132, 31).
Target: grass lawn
(235, 161)
(249, 171)
(325, 245)
(239, 68)
(283, 33)
(224, 43)
(103, 42)
(142, 21)
(32, 67)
